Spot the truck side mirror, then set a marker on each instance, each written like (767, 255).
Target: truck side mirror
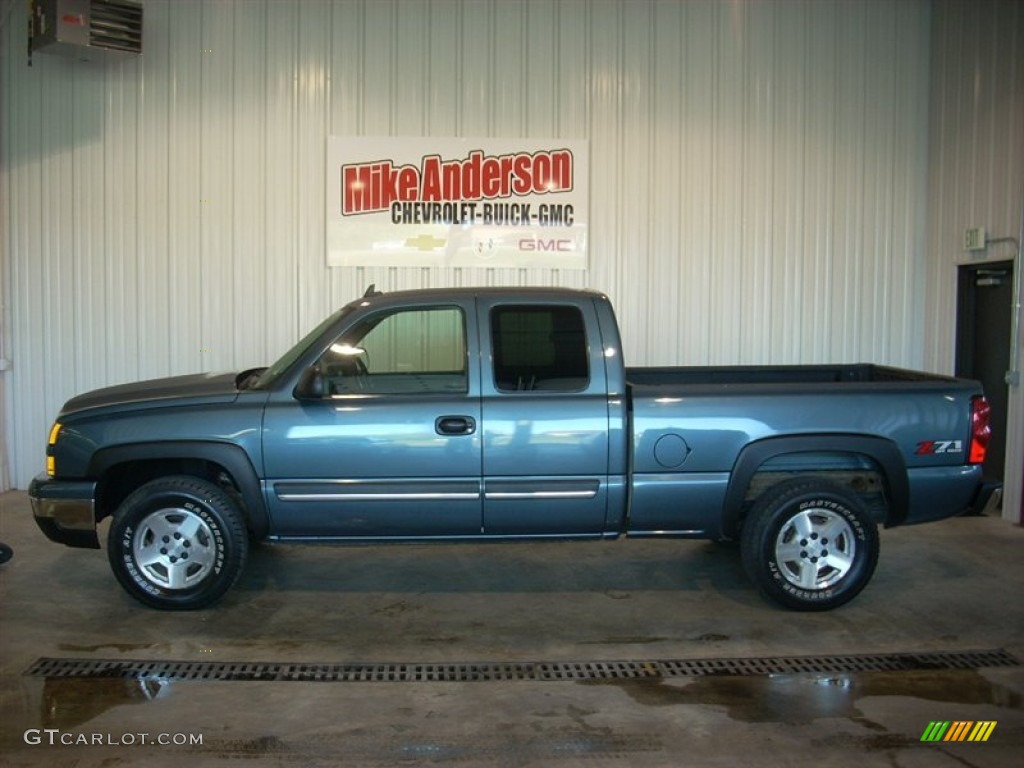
(311, 384)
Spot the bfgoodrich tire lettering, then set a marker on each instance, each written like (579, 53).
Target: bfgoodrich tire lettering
(809, 544)
(177, 543)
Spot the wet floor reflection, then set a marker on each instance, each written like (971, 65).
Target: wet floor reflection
(795, 699)
(71, 701)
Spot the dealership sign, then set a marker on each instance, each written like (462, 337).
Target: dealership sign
(456, 202)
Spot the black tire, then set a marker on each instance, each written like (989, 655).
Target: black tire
(177, 543)
(809, 544)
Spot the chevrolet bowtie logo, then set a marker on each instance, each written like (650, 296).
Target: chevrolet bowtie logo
(425, 242)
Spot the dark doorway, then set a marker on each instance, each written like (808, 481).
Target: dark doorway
(983, 330)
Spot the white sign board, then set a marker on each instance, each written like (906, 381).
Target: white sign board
(427, 202)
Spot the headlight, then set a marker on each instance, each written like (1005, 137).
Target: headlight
(51, 462)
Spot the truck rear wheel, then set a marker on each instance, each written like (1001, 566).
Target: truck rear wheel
(809, 544)
(177, 543)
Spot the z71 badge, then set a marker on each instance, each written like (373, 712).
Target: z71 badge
(932, 447)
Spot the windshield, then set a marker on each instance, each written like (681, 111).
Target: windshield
(269, 376)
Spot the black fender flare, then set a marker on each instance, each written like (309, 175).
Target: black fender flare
(883, 452)
(232, 457)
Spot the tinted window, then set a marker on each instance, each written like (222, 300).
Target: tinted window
(539, 349)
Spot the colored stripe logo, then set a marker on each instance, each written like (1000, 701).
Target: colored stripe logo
(958, 730)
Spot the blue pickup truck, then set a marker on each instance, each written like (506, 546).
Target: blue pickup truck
(497, 414)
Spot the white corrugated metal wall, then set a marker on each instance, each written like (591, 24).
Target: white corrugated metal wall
(758, 176)
(976, 174)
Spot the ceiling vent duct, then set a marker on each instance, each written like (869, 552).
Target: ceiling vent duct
(86, 29)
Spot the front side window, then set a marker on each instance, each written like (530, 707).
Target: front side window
(403, 352)
(539, 349)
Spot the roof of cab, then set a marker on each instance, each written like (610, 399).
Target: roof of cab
(523, 292)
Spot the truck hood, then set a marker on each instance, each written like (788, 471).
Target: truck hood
(196, 388)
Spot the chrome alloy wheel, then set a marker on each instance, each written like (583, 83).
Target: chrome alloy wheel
(815, 548)
(174, 548)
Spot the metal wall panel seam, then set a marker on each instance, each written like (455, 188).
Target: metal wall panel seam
(5, 228)
(6, 388)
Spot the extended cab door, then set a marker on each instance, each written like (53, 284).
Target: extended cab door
(545, 418)
(392, 446)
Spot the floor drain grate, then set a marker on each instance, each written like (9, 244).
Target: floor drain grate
(482, 672)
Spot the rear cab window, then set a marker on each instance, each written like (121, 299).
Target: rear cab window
(539, 348)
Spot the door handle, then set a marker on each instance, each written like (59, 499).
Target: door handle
(455, 425)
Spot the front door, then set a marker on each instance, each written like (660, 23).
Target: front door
(392, 448)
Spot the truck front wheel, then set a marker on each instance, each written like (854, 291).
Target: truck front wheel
(809, 544)
(177, 543)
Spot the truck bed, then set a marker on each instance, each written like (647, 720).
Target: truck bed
(780, 374)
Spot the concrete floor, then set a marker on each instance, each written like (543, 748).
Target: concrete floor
(947, 586)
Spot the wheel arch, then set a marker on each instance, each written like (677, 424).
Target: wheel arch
(883, 454)
(122, 468)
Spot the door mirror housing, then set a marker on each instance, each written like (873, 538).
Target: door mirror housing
(311, 384)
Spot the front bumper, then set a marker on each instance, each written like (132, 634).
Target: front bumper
(64, 510)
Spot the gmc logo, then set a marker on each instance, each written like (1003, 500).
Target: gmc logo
(537, 244)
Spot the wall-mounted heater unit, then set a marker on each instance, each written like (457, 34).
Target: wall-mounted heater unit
(86, 29)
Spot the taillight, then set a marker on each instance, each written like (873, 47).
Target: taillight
(981, 430)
